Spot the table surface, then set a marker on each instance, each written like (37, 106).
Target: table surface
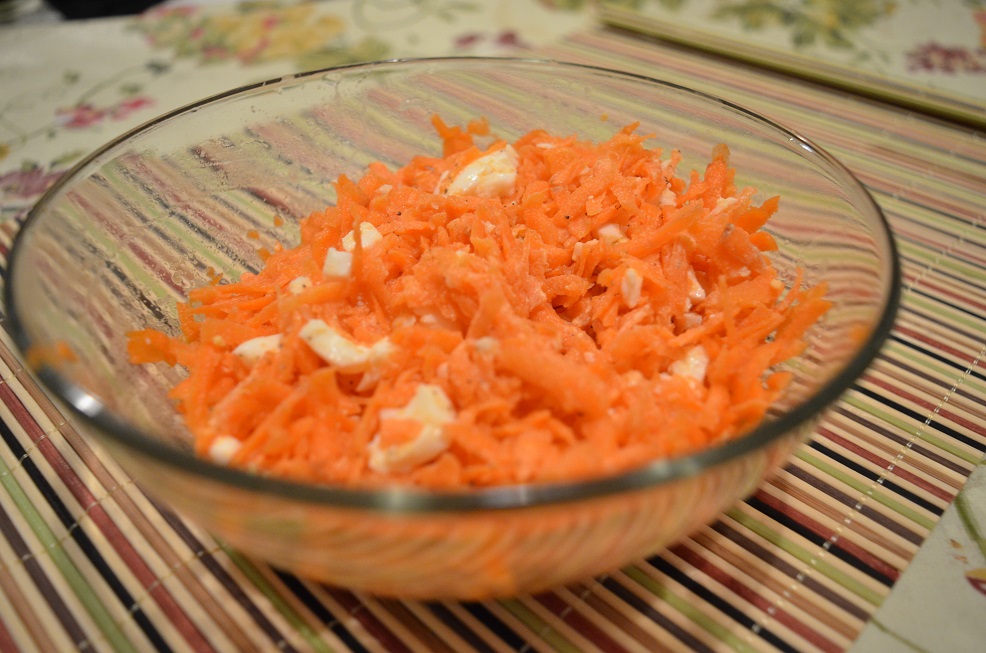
(870, 539)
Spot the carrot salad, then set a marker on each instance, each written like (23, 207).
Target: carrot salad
(542, 310)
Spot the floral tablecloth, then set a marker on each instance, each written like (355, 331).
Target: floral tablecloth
(69, 87)
(870, 540)
(927, 54)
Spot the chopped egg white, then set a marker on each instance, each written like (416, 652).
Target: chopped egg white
(692, 320)
(491, 175)
(299, 284)
(693, 365)
(631, 286)
(430, 407)
(404, 320)
(485, 344)
(696, 292)
(368, 380)
(368, 236)
(722, 204)
(338, 350)
(223, 449)
(338, 264)
(252, 350)
(611, 233)
(435, 320)
(441, 180)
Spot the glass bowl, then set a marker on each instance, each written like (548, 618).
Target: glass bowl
(199, 191)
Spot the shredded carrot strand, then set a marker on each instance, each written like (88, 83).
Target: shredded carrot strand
(597, 312)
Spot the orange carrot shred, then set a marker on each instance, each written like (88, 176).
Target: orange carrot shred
(542, 310)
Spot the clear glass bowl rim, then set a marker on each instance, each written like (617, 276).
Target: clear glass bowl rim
(400, 499)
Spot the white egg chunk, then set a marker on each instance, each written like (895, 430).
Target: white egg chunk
(631, 286)
(722, 204)
(338, 264)
(491, 175)
(692, 365)
(692, 320)
(299, 285)
(611, 233)
(438, 184)
(696, 292)
(223, 449)
(430, 407)
(486, 344)
(368, 237)
(252, 350)
(341, 352)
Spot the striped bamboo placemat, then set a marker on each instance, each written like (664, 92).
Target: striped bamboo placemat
(88, 562)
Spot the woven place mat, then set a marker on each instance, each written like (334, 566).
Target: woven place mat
(87, 561)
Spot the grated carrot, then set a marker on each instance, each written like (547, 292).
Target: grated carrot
(579, 309)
